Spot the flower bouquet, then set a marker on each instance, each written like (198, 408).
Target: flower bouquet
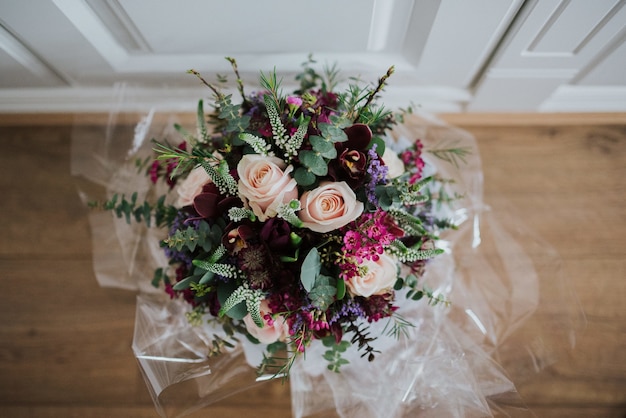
(308, 236)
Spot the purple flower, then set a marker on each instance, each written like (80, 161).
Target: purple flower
(377, 174)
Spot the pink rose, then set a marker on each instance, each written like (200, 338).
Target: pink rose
(192, 186)
(264, 185)
(378, 277)
(329, 207)
(274, 329)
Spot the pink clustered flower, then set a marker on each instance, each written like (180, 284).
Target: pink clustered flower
(165, 169)
(413, 161)
(365, 239)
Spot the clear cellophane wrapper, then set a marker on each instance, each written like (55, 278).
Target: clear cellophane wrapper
(511, 310)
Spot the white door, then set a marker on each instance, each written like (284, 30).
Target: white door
(449, 55)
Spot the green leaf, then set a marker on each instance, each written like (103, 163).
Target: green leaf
(341, 289)
(203, 134)
(380, 145)
(304, 177)
(184, 283)
(323, 293)
(323, 146)
(314, 161)
(207, 277)
(332, 133)
(310, 269)
(239, 311)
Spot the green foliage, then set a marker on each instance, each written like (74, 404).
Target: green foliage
(221, 176)
(271, 83)
(218, 344)
(315, 162)
(231, 114)
(145, 212)
(332, 132)
(323, 293)
(204, 236)
(159, 276)
(211, 264)
(252, 299)
(310, 79)
(397, 326)
(438, 195)
(310, 269)
(322, 289)
(416, 293)
(388, 196)
(323, 146)
(257, 143)
(449, 152)
(334, 354)
(410, 254)
(304, 177)
(287, 211)
(239, 214)
(201, 289)
(275, 364)
(203, 133)
(194, 317)
(411, 225)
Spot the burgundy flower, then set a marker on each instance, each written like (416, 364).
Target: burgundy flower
(275, 233)
(211, 204)
(236, 238)
(351, 165)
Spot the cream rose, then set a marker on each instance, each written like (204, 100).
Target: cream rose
(330, 206)
(192, 186)
(277, 331)
(393, 163)
(264, 185)
(378, 278)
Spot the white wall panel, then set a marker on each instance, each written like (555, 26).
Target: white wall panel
(19, 65)
(551, 44)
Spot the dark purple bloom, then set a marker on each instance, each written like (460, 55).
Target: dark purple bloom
(351, 164)
(275, 233)
(211, 204)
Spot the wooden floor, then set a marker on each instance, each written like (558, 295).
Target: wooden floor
(65, 342)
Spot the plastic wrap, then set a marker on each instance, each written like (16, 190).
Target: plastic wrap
(511, 310)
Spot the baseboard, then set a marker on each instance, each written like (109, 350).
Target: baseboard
(174, 99)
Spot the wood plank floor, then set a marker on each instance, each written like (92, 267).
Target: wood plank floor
(65, 342)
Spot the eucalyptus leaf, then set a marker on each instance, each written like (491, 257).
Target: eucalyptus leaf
(304, 177)
(323, 293)
(323, 146)
(314, 161)
(310, 269)
(332, 132)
